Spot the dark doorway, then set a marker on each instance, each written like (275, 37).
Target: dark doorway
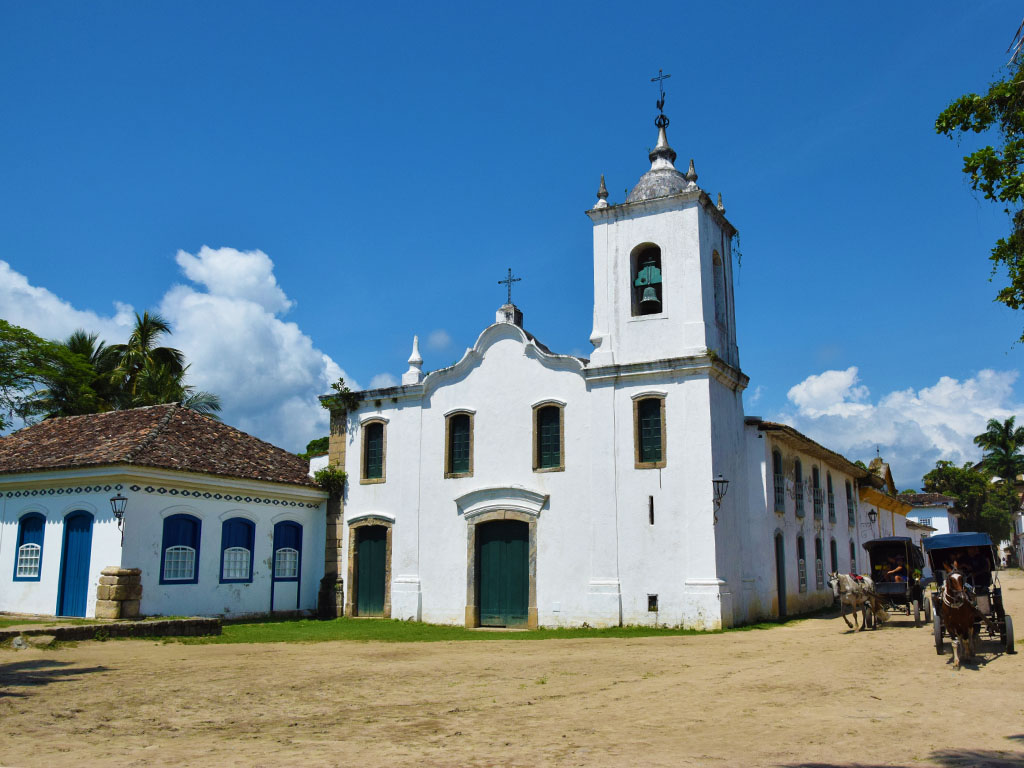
(503, 571)
(371, 562)
(780, 572)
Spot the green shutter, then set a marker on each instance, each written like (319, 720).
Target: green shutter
(458, 443)
(371, 561)
(549, 448)
(373, 461)
(503, 568)
(649, 412)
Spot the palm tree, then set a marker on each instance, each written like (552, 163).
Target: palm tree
(79, 381)
(1002, 443)
(142, 351)
(157, 384)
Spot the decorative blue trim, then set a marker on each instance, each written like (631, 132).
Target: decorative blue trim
(163, 491)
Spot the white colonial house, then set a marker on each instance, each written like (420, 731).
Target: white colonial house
(216, 521)
(524, 487)
(932, 509)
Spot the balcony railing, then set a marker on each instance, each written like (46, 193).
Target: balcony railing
(851, 513)
(817, 503)
(798, 494)
(831, 507)
(780, 493)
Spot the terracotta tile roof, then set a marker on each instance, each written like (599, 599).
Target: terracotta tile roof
(927, 499)
(163, 436)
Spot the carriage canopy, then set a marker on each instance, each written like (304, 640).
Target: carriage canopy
(949, 547)
(879, 550)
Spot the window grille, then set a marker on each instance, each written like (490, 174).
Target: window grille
(649, 414)
(179, 563)
(236, 563)
(798, 493)
(817, 503)
(831, 507)
(925, 521)
(801, 563)
(29, 557)
(286, 563)
(780, 493)
(549, 438)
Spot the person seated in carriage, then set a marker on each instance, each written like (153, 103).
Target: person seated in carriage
(896, 570)
(977, 566)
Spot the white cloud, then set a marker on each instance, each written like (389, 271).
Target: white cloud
(236, 274)
(382, 380)
(266, 371)
(439, 340)
(913, 429)
(754, 396)
(46, 315)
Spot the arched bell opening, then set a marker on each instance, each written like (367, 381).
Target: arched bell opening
(645, 280)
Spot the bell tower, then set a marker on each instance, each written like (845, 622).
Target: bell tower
(662, 268)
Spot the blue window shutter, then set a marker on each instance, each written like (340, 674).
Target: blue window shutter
(181, 530)
(30, 531)
(237, 532)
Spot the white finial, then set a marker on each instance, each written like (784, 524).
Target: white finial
(415, 373)
(602, 195)
(721, 205)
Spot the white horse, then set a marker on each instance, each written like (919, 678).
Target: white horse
(859, 595)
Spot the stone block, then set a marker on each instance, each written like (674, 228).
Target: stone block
(130, 608)
(116, 570)
(109, 581)
(124, 592)
(40, 641)
(108, 609)
(103, 590)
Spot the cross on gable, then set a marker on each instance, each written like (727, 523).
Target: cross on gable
(508, 281)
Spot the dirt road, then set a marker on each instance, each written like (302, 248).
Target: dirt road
(807, 694)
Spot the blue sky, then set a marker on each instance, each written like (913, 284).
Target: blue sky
(390, 162)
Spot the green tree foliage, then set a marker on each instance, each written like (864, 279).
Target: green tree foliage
(981, 505)
(1002, 442)
(316, 447)
(27, 363)
(82, 374)
(997, 170)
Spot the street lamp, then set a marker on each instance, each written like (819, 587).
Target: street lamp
(117, 505)
(721, 487)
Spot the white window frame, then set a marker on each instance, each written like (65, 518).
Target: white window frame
(289, 561)
(176, 558)
(29, 560)
(236, 559)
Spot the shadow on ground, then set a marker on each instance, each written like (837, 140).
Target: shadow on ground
(946, 758)
(38, 672)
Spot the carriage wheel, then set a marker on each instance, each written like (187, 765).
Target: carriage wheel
(917, 613)
(937, 630)
(1007, 637)
(928, 612)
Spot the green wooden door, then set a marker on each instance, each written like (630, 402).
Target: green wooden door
(371, 546)
(503, 568)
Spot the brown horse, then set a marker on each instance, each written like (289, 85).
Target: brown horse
(958, 616)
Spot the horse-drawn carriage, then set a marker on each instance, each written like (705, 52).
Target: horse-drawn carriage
(896, 566)
(964, 564)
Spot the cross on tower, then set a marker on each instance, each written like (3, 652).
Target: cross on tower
(660, 79)
(508, 281)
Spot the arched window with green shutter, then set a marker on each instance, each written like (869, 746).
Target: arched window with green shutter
(548, 433)
(459, 444)
(374, 447)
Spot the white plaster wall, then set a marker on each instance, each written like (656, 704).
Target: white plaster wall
(142, 549)
(762, 557)
(41, 596)
(208, 597)
(687, 235)
(939, 520)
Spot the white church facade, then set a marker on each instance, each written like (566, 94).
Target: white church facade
(520, 487)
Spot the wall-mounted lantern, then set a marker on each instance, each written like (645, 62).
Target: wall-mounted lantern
(721, 487)
(117, 506)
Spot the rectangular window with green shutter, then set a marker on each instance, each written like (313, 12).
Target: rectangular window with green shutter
(549, 437)
(650, 448)
(373, 451)
(458, 444)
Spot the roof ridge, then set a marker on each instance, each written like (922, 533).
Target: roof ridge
(153, 435)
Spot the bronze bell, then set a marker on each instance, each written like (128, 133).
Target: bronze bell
(650, 300)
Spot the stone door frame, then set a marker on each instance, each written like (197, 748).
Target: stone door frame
(472, 578)
(351, 594)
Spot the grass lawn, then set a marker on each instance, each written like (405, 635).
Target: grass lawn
(7, 621)
(393, 631)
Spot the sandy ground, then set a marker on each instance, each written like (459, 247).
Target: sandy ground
(808, 694)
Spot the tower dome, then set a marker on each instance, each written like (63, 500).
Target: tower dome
(663, 178)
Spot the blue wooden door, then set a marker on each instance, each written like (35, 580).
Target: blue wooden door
(74, 565)
(287, 572)
(503, 568)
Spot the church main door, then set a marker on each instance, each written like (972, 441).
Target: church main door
(371, 553)
(503, 569)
